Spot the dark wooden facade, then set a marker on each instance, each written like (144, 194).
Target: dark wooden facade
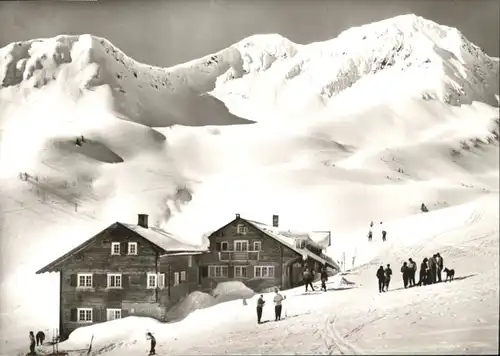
(240, 251)
(98, 285)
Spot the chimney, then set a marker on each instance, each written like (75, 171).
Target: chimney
(142, 220)
(275, 220)
(237, 216)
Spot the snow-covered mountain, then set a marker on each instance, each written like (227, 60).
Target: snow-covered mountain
(329, 135)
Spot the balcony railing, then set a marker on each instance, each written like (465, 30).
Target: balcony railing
(239, 255)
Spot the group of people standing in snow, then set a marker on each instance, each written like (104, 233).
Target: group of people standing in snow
(278, 300)
(384, 278)
(430, 272)
(370, 233)
(308, 278)
(36, 340)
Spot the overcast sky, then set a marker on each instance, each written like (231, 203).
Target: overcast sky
(167, 32)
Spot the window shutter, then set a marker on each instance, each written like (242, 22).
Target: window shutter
(204, 271)
(144, 280)
(125, 281)
(217, 246)
(123, 248)
(73, 280)
(161, 280)
(73, 315)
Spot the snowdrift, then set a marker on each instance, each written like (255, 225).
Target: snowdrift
(223, 292)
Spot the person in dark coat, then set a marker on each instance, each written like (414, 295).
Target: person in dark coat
(381, 279)
(370, 235)
(424, 273)
(260, 307)
(432, 269)
(384, 235)
(40, 337)
(405, 270)
(412, 269)
(440, 264)
(308, 278)
(153, 343)
(388, 275)
(324, 278)
(32, 343)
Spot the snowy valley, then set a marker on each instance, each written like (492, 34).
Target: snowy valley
(329, 135)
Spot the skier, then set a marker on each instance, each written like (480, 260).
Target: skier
(278, 298)
(384, 234)
(370, 235)
(308, 278)
(324, 278)
(381, 279)
(388, 274)
(40, 337)
(32, 343)
(150, 336)
(440, 264)
(405, 270)
(412, 266)
(260, 306)
(371, 223)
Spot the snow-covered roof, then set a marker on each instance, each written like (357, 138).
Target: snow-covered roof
(163, 239)
(289, 238)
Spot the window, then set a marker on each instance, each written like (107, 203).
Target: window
(218, 271)
(176, 278)
(152, 280)
(84, 280)
(183, 276)
(114, 280)
(241, 229)
(240, 271)
(264, 271)
(115, 248)
(257, 245)
(222, 246)
(84, 315)
(241, 245)
(155, 280)
(113, 314)
(190, 261)
(132, 248)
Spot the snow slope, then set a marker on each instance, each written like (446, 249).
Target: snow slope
(342, 139)
(460, 317)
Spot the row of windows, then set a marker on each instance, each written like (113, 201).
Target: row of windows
(132, 248)
(114, 280)
(241, 271)
(239, 245)
(85, 315)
